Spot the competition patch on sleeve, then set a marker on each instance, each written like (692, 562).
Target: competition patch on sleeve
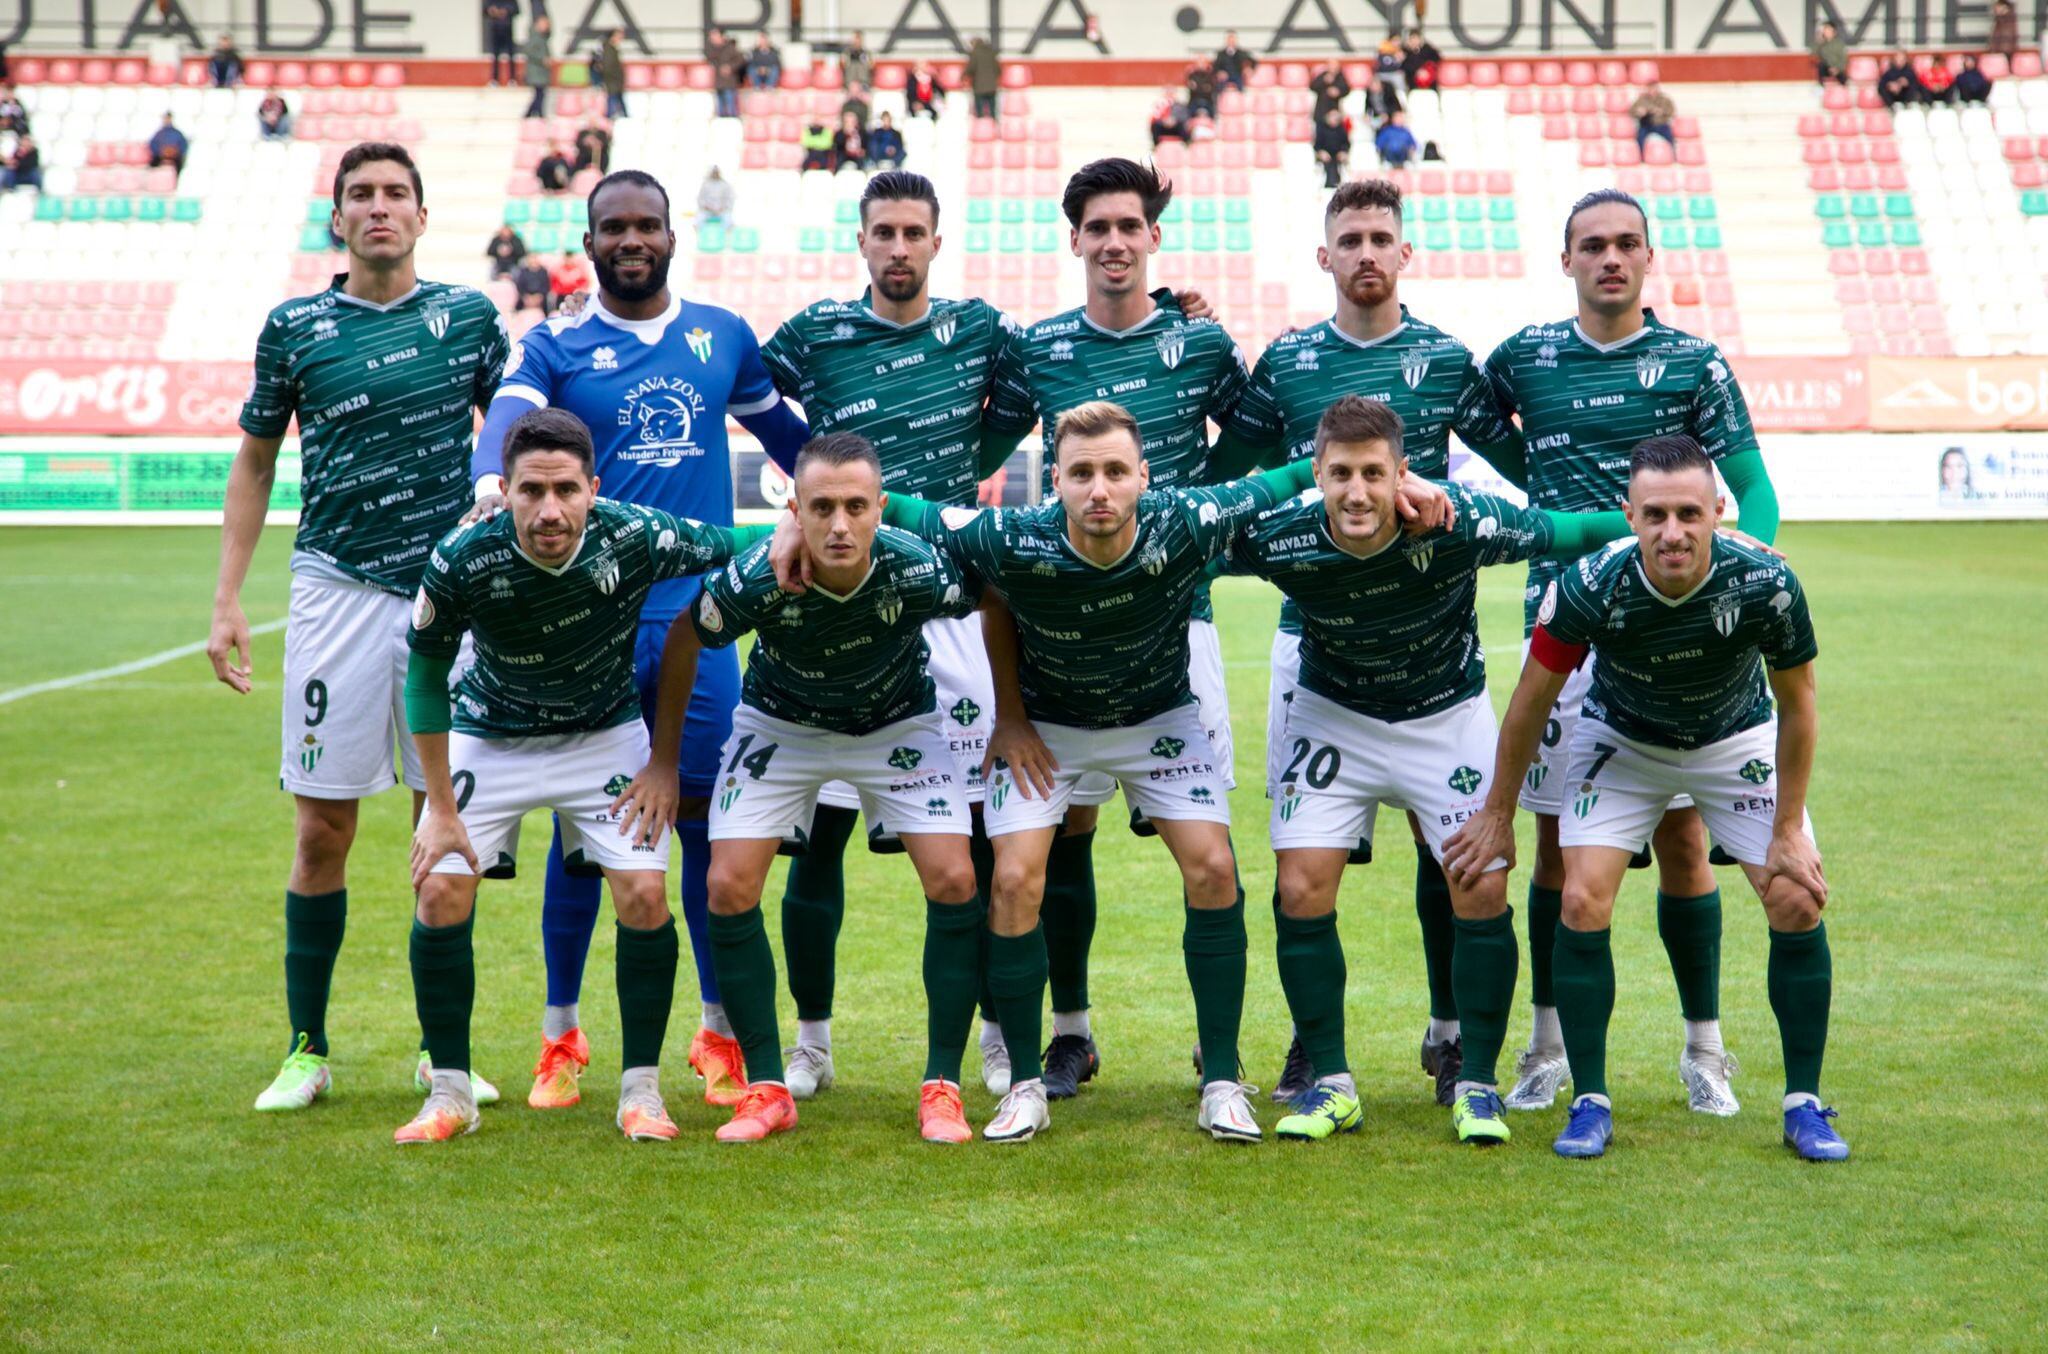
(422, 609)
(956, 517)
(708, 614)
(1547, 613)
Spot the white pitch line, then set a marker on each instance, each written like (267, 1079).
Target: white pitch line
(123, 669)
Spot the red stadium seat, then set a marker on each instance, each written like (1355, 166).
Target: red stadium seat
(1520, 101)
(1843, 263)
(1859, 320)
(1863, 70)
(1016, 75)
(1620, 128)
(1443, 266)
(96, 71)
(1545, 73)
(1655, 151)
(1580, 74)
(1613, 101)
(1818, 153)
(1500, 182)
(1852, 291)
(1886, 291)
(1465, 182)
(1656, 293)
(1587, 128)
(1453, 75)
(387, 75)
(1483, 75)
(1430, 182)
(1836, 99)
(1507, 265)
(1711, 262)
(1592, 155)
(1884, 152)
(1294, 75)
(1685, 292)
(30, 70)
(356, 74)
(1913, 262)
(1824, 179)
(1014, 156)
(291, 73)
(63, 71)
(2026, 65)
(1812, 126)
(1719, 291)
(1627, 153)
(1676, 263)
(1879, 262)
(130, 72)
(1557, 129)
(1845, 124)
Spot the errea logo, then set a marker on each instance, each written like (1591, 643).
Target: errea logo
(604, 359)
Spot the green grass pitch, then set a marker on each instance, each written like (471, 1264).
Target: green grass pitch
(142, 1203)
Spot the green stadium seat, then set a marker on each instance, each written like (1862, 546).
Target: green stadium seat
(544, 239)
(1702, 209)
(1706, 237)
(1010, 212)
(1836, 235)
(1899, 206)
(156, 209)
(980, 211)
(711, 239)
(82, 209)
(846, 212)
(318, 211)
(2034, 202)
(745, 240)
(977, 239)
(1045, 212)
(1871, 235)
(811, 240)
(517, 212)
(1468, 211)
(1828, 208)
(1205, 240)
(1669, 209)
(1501, 210)
(1237, 239)
(579, 213)
(1202, 211)
(116, 209)
(1173, 238)
(1010, 240)
(1471, 239)
(1435, 238)
(313, 240)
(845, 239)
(1045, 240)
(185, 209)
(1863, 206)
(1175, 212)
(1672, 237)
(550, 211)
(1506, 239)
(49, 208)
(1906, 234)
(1435, 210)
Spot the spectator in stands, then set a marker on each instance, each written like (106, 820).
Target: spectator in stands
(554, 170)
(1170, 117)
(727, 63)
(1330, 87)
(715, 198)
(505, 251)
(1938, 80)
(849, 144)
(1899, 83)
(1653, 111)
(274, 116)
(168, 147)
(594, 148)
(816, 141)
(764, 63)
(225, 65)
(533, 286)
(24, 167)
(856, 62)
(1333, 146)
(1395, 143)
(1387, 62)
(13, 116)
(1201, 81)
(538, 73)
(498, 17)
(885, 145)
(2005, 28)
(1421, 62)
(611, 73)
(1382, 101)
(1972, 84)
(570, 276)
(984, 76)
(1830, 56)
(1233, 63)
(922, 93)
(858, 104)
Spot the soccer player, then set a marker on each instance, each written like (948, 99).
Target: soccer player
(1588, 389)
(1372, 347)
(654, 377)
(545, 718)
(1390, 708)
(1092, 677)
(837, 690)
(1694, 634)
(1173, 374)
(382, 371)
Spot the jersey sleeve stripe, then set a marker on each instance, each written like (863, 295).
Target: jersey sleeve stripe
(527, 393)
(766, 402)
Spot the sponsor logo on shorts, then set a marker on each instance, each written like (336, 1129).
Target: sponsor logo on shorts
(1585, 799)
(1201, 794)
(936, 807)
(1756, 771)
(729, 793)
(1290, 800)
(905, 759)
(965, 711)
(1168, 747)
(618, 785)
(309, 752)
(1465, 780)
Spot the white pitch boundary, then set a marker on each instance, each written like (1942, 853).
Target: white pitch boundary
(123, 669)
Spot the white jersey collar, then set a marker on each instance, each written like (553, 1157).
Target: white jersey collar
(647, 331)
(379, 307)
(559, 569)
(1648, 326)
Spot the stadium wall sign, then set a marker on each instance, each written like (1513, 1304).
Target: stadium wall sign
(1031, 28)
(1965, 393)
(1804, 394)
(88, 396)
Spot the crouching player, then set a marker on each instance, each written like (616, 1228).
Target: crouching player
(546, 718)
(1680, 704)
(836, 690)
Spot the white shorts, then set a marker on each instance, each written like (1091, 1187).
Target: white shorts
(1164, 765)
(904, 773)
(345, 657)
(498, 781)
(1339, 766)
(966, 704)
(1543, 786)
(1620, 789)
(1212, 699)
(1285, 676)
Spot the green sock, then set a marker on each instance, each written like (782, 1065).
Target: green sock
(646, 968)
(1433, 910)
(984, 857)
(1068, 916)
(1312, 974)
(313, 926)
(1016, 979)
(813, 905)
(1583, 979)
(444, 990)
(1213, 944)
(1545, 906)
(952, 980)
(1802, 980)
(1484, 968)
(1691, 928)
(745, 965)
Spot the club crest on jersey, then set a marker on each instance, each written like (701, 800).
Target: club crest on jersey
(1726, 610)
(1420, 554)
(943, 326)
(606, 571)
(1154, 557)
(700, 343)
(437, 321)
(1414, 366)
(889, 606)
(1587, 797)
(1171, 346)
(1650, 369)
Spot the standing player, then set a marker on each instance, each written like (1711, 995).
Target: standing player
(837, 690)
(546, 718)
(1372, 347)
(1173, 374)
(383, 371)
(654, 377)
(1391, 708)
(1588, 390)
(1692, 634)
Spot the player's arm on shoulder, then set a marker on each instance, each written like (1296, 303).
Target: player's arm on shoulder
(683, 546)
(250, 479)
(526, 385)
(1572, 534)
(1013, 740)
(1011, 411)
(1423, 505)
(1720, 421)
(758, 405)
(1756, 498)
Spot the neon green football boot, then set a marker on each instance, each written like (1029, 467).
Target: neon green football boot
(1479, 1117)
(303, 1079)
(1324, 1111)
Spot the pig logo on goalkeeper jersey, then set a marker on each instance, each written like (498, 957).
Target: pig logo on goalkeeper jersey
(663, 418)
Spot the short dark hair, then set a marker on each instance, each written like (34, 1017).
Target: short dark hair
(1357, 419)
(836, 449)
(897, 185)
(549, 430)
(639, 178)
(1669, 452)
(1600, 197)
(1115, 175)
(1355, 194)
(356, 156)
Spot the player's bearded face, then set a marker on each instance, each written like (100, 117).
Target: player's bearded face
(898, 242)
(551, 498)
(1098, 480)
(1358, 480)
(1114, 242)
(1609, 257)
(1674, 514)
(1365, 254)
(838, 507)
(630, 243)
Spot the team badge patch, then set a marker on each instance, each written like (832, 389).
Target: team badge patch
(943, 326)
(1585, 799)
(1465, 780)
(1725, 610)
(700, 343)
(1414, 367)
(606, 571)
(1537, 775)
(437, 322)
(1290, 800)
(729, 793)
(1756, 771)
(1168, 748)
(1650, 369)
(1421, 554)
(889, 606)
(965, 711)
(1172, 346)
(309, 752)
(1547, 613)
(1154, 557)
(905, 759)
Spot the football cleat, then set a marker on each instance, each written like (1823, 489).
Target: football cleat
(1539, 1076)
(719, 1064)
(995, 1068)
(1808, 1132)
(807, 1070)
(1445, 1062)
(643, 1118)
(423, 1082)
(1225, 1115)
(1587, 1132)
(1297, 1077)
(765, 1108)
(1323, 1112)
(940, 1116)
(1706, 1081)
(1021, 1116)
(444, 1116)
(558, 1070)
(1070, 1059)
(1479, 1117)
(303, 1079)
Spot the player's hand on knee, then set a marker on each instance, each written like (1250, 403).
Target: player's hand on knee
(1752, 542)
(647, 807)
(1423, 506)
(435, 839)
(1793, 856)
(787, 556)
(1017, 745)
(229, 639)
(1487, 836)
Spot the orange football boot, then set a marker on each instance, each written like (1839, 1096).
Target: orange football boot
(940, 1117)
(766, 1108)
(719, 1064)
(555, 1076)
